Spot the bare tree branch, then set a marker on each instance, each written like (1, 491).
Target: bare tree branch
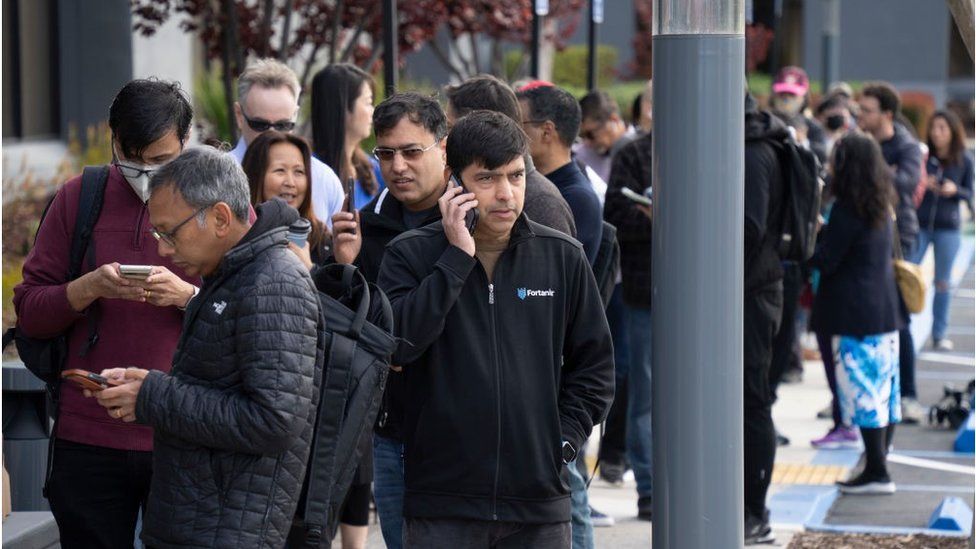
(962, 13)
(373, 58)
(445, 59)
(309, 64)
(351, 45)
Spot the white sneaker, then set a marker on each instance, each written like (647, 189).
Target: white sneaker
(942, 344)
(911, 411)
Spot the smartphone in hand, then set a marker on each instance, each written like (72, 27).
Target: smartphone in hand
(135, 272)
(87, 380)
(471, 216)
(350, 190)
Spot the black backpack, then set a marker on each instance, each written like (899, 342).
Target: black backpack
(801, 200)
(607, 264)
(357, 324)
(45, 357)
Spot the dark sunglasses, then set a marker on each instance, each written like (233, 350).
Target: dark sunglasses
(262, 125)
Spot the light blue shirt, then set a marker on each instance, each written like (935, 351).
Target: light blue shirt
(327, 193)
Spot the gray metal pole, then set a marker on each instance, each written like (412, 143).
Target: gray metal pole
(390, 46)
(536, 36)
(699, 83)
(831, 44)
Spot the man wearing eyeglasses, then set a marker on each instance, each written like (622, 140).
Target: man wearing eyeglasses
(101, 468)
(410, 137)
(267, 99)
(233, 419)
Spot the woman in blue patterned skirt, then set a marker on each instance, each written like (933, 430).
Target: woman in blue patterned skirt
(857, 303)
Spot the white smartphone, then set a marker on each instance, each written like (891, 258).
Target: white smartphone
(638, 198)
(140, 272)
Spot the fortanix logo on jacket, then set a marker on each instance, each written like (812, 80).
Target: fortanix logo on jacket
(524, 293)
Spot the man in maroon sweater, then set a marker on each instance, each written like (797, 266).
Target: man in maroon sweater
(101, 465)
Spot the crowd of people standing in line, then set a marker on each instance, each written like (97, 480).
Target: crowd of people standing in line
(211, 430)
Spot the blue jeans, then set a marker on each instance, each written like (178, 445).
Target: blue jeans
(582, 525)
(639, 447)
(946, 244)
(388, 488)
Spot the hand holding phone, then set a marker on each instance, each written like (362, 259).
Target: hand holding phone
(87, 380)
(459, 216)
(471, 216)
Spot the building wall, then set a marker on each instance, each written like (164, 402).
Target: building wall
(905, 42)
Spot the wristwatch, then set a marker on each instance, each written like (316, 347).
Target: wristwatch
(569, 453)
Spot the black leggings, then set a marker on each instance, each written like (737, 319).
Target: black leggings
(355, 510)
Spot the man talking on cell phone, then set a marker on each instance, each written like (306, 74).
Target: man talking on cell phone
(506, 355)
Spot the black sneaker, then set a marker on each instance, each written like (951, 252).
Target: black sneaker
(612, 473)
(758, 531)
(791, 376)
(867, 484)
(600, 519)
(645, 508)
(781, 439)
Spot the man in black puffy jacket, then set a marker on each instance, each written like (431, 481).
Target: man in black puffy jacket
(233, 421)
(506, 353)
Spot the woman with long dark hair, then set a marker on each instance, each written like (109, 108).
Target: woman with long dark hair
(857, 303)
(279, 165)
(949, 181)
(342, 117)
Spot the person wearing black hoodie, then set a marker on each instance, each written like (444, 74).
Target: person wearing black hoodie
(506, 354)
(410, 130)
(762, 308)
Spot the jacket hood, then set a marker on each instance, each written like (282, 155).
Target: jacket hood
(764, 125)
(274, 218)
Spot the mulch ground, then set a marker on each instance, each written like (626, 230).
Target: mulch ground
(817, 540)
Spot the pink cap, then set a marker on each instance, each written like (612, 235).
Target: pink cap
(791, 80)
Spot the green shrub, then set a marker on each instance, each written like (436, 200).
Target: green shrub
(211, 108)
(569, 66)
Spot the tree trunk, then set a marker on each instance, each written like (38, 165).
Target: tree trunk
(267, 14)
(285, 31)
(232, 42)
(498, 60)
(336, 19)
(309, 64)
(962, 13)
(547, 50)
(227, 76)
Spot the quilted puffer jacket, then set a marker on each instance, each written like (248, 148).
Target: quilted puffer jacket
(234, 419)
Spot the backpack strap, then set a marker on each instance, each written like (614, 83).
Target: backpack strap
(93, 181)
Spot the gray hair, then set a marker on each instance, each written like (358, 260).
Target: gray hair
(267, 73)
(204, 177)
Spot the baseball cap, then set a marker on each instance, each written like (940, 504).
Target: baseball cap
(791, 80)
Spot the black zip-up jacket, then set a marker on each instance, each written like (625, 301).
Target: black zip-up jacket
(233, 421)
(498, 373)
(937, 212)
(381, 220)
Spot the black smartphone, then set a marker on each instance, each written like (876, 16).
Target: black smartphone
(350, 195)
(471, 216)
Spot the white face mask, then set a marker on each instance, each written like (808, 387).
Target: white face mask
(138, 176)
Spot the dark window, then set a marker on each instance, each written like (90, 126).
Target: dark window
(30, 69)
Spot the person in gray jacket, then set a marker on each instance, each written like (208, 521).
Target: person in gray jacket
(233, 420)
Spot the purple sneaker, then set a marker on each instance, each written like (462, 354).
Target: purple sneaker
(838, 438)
